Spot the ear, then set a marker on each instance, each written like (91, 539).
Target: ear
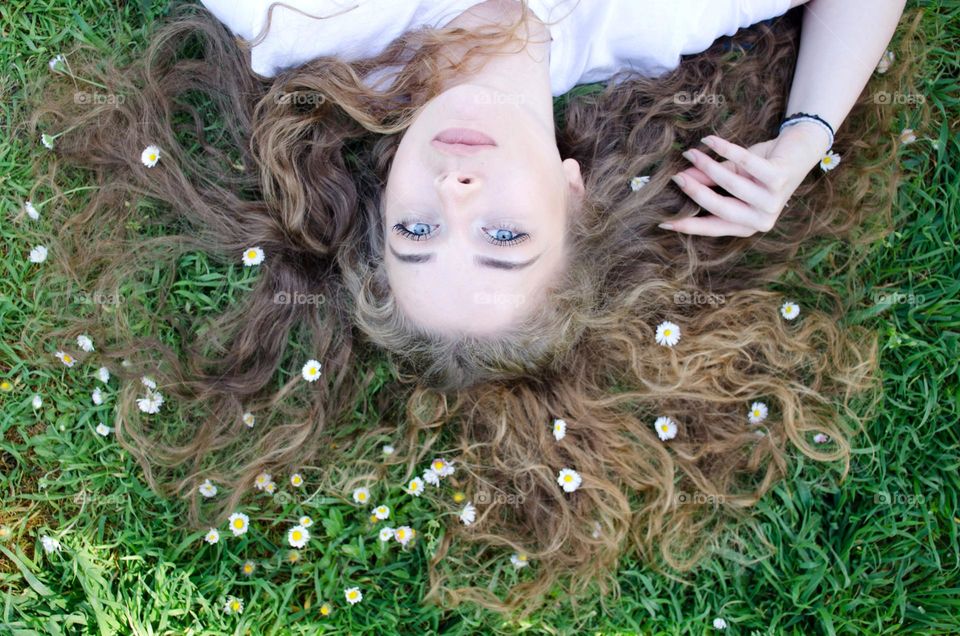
(571, 171)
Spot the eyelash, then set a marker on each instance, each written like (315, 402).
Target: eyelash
(400, 228)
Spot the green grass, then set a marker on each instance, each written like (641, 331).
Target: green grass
(875, 554)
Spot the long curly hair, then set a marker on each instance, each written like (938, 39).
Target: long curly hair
(297, 165)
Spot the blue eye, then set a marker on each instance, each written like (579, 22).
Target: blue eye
(419, 232)
(505, 236)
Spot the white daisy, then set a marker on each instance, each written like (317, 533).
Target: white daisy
(296, 480)
(233, 605)
(37, 401)
(47, 141)
(559, 429)
(415, 487)
(248, 567)
(906, 137)
(758, 412)
(638, 182)
(719, 623)
(38, 254)
(353, 595)
(271, 488)
(569, 479)
(829, 161)
(885, 61)
(50, 544)
(596, 530)
(151, 403)
(67, 359)
(821, 438)
(103, 429)
(519, 560)
(298, 536)
(150, 156)
(253, 256)
(103, 373)
(431, 477)
(207, 488)
(97, 396)
(666, 428)
(790, 310)
(361, 495)
(57, 63)
(148, 382)
(469, 514)
(442, 467)
(306, 521)
(668, 333)
(213, 535)
(249, 419)
(386, 533)
(382, 512)
(239, 523)
(311, 370)
(404, 534)
(388, 449)
(31, 211)
(262, 480)
(85, 343)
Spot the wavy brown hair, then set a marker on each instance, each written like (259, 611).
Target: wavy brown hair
(297, 165)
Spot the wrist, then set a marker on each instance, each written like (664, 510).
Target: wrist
(808, 138)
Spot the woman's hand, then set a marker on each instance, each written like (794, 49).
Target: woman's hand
(761, 179)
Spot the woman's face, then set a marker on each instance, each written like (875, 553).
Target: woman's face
(475, 230)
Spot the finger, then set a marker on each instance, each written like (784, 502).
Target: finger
(729, 208)
(743, 188)
(710, 226)
(759, 168)
(699, 175)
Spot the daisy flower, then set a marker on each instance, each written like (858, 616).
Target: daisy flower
(404, 534)
(311, 370)
(57, 63)
(668, 333)
(5, 386)
(559, 429)
(207, 488)
(296, 480)
(906, 137)
(67, 359)
(353, 594)
(248, 568)
(249, 419)
(638, 182)
(361, 495)
(151, 403)
(885, 61)
(388, 449)
(596, 530)
(386, 533)
(85, 343)
(293, 556)
(569, 479)
(830, 161)
(306, 521)
(213, 535)
(239, 523)
(458, 496)
(150, 156)
(469, 514)
(758, 412)
(103, 429)
(97, 396)
(148, 382)
(442, 467)
(719, 623)
(298, 536)
(103, 374)
(262, 480)
(233, 605)
(415, 487)
(38, 254)
(381, 512)
(325, 609)
(37, 401)
(431, 477)
(50, 544)
(47, 141)
(790, 310)
(253, 256)
(270, 488)
(666, 428)
(519, 560)
(31, 211)
(821, 438)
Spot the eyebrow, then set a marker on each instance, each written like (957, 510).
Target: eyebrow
(484, 261)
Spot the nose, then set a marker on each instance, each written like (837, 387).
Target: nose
(457, 184)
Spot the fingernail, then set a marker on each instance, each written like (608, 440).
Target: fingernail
(688, 155)
(708, 140)
(679, 180)
(666, 226)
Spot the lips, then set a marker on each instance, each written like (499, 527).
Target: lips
(464, 137)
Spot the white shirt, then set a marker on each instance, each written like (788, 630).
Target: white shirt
(592, 39)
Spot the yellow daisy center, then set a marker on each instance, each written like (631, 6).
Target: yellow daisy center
(666, 332)
(234, 605)
(401, 534)
(567, 478)
(353, 594)
(238, 523)
(373, 518)
(248, 568)
(296, 535)
(325, 609)
(664, 428)
(251, 254)
(756, 413)
(67, 359)
(6, 386)
(458, 497)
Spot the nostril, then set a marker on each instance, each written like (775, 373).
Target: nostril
(465, 180)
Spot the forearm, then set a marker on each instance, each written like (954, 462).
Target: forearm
(840, 44)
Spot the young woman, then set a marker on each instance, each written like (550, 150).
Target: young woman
(413, 185)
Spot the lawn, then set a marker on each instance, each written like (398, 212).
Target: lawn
(877, 553)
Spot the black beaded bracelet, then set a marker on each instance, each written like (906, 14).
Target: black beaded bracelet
(796, 118)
